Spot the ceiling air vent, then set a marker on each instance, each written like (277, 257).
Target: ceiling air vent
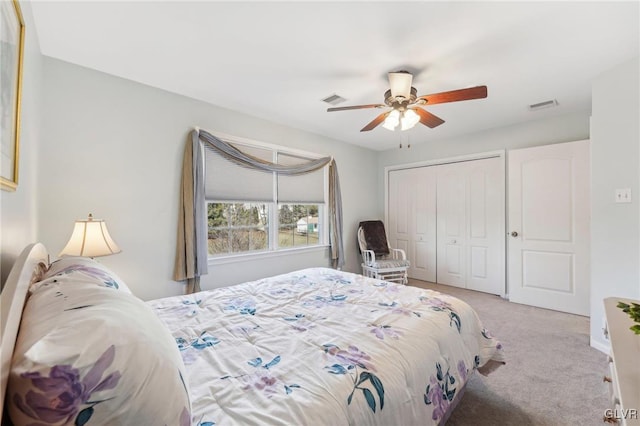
(334, 99)
(541, 105)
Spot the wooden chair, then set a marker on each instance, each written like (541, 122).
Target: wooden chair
(379, 260)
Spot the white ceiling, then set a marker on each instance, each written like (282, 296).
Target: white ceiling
(277, 60)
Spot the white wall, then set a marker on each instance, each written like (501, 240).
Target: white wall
(18, 222)
(114, 148)
(615, 163)
(565, 128)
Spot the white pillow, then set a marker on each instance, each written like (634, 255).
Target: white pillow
(87, 354)
(84, 269)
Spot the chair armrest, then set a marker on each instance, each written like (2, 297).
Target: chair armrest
(398, 254)
(369, 257)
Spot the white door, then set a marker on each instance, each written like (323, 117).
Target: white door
(549, 220)
(451, 224)
(423, 225)
(411, 225)
(486, 226)
(471, 225)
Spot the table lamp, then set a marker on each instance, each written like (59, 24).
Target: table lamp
(90, 238)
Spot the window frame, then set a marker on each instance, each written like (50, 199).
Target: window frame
(273, 217)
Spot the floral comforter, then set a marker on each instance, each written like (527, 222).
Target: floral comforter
(319, 346)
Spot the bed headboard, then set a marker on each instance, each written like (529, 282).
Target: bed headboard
(28, 268)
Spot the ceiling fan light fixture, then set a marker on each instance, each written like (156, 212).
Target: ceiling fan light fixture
(392, 120)
(409, 119)
(400, 84)
(405, 106)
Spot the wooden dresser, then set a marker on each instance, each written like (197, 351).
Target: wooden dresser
(624, 364)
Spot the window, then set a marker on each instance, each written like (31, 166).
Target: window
(253, 211)
(237, 227)
(298, 225)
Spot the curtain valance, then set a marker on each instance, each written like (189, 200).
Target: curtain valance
(191, 250)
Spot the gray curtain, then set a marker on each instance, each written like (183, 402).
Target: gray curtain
(191, 248)
(191, 251)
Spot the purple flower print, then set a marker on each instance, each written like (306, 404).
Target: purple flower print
(392, 289)
(351, 357)
(94, 272)
(349, 361)
(385, 330)
(462, 371)
(185, 417)
(404, 311)
(303, 325)
(59, 396)
(434, 302)
(439, 305)
(441, 390)
(262, 381)
(440, 404)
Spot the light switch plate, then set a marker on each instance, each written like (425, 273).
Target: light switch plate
(623, 195)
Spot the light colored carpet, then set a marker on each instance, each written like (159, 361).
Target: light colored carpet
(552, 376)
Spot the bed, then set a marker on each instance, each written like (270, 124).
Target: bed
(316, 346)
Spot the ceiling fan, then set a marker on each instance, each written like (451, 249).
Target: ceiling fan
(405, 105)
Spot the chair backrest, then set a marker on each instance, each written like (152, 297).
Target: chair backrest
(362, 244)
(374, 237)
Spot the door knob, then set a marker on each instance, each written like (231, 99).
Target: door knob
(514, 234)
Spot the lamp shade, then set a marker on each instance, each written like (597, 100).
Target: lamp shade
(90, 238)
(400, 84)
(392, 120)
(409, 119)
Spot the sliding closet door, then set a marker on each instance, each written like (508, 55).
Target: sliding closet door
(451, 224)
(412, 218)
(423, 224)
(400, 205)
(470, 225)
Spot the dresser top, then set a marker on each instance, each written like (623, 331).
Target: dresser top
(625, 350)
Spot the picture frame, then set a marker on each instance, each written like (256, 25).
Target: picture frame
(11, 54)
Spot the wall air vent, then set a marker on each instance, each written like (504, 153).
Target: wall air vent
(334, 99)
(541, 105)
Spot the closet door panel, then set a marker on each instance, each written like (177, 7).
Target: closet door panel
(451, 219)
(451, 224)
(423, 223)
(399, 211)
(411, 210)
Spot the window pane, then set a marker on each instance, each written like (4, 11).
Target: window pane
(248, 239)
(306, 188)
(298, 225)
(241, 202)
(227, 181)
(237, 227)
(246, 214)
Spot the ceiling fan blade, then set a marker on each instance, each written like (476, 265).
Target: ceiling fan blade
(478, 92)
(428, 119)
(376, 121)
(345, 108)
